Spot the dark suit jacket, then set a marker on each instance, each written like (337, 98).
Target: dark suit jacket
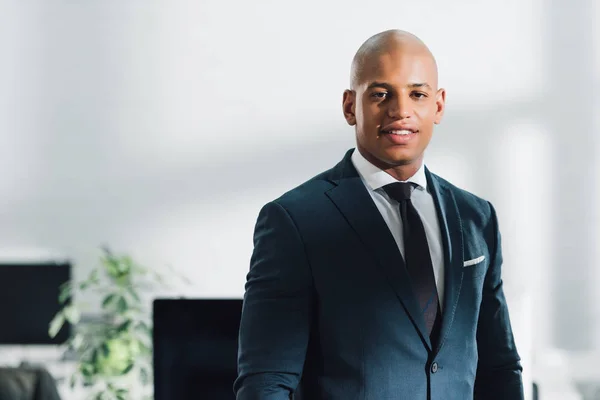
(328, 308)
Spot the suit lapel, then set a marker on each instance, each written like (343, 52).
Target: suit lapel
(451, 227)
(354, 201)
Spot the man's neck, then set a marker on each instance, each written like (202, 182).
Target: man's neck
(400, 172)
(404, 172)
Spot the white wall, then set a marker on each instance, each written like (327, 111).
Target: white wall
(161, 127)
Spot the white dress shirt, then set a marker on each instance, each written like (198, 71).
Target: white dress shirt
(374, 179)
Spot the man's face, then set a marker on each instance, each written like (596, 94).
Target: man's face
(395, 106)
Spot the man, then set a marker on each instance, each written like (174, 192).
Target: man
(378, 279)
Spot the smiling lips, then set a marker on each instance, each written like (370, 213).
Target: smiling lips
(399, 133)
(400, 128)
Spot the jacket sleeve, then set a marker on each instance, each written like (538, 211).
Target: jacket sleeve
(276, 314)
(498, 369)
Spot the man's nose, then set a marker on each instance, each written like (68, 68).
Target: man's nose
(399, 107)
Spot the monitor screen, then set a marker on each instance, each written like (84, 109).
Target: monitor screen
(195, 348)
(29, 300)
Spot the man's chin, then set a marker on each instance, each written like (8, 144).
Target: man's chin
(397, 158)
(391, 157)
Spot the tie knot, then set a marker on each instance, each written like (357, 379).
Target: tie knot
(399, 191)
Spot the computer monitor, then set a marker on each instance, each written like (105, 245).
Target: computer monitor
(195, 345)
(29, 292)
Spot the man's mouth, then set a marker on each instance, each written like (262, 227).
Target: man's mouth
(401, 132)
(399, 137)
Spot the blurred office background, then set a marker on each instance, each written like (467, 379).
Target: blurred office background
(161, 128)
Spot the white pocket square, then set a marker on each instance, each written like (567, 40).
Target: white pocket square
(473, 261)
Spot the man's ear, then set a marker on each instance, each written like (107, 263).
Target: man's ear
(349, 106)
(440, 102)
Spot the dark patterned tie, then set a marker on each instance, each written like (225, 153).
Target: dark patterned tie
(417, 257)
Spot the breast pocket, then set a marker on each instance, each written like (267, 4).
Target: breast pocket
(476, 266)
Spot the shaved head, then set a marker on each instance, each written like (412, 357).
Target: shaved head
(391, 41)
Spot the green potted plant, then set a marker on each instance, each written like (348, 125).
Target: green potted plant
(113, 355)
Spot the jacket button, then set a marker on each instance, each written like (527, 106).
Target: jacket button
(434, 367)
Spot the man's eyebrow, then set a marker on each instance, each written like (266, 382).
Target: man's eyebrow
(387, 86)
(382, 85)
(419, 85)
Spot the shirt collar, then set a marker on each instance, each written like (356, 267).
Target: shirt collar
(376, 178)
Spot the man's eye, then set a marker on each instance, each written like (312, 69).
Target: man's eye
(419, 95)
(379, 95)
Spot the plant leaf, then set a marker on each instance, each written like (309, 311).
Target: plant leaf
(144, 376)
(88, 380)
(94, 358)
(105, 349)
(73, 381)
(87, 369)
(57, 322)
(124, 327)
(143, 328)
(144, 348)
(128, 369)
(72, 314)
(133, 294)
(108, 300)
(121, 305)
(94, 276)
(77, 341)
(65, 292)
